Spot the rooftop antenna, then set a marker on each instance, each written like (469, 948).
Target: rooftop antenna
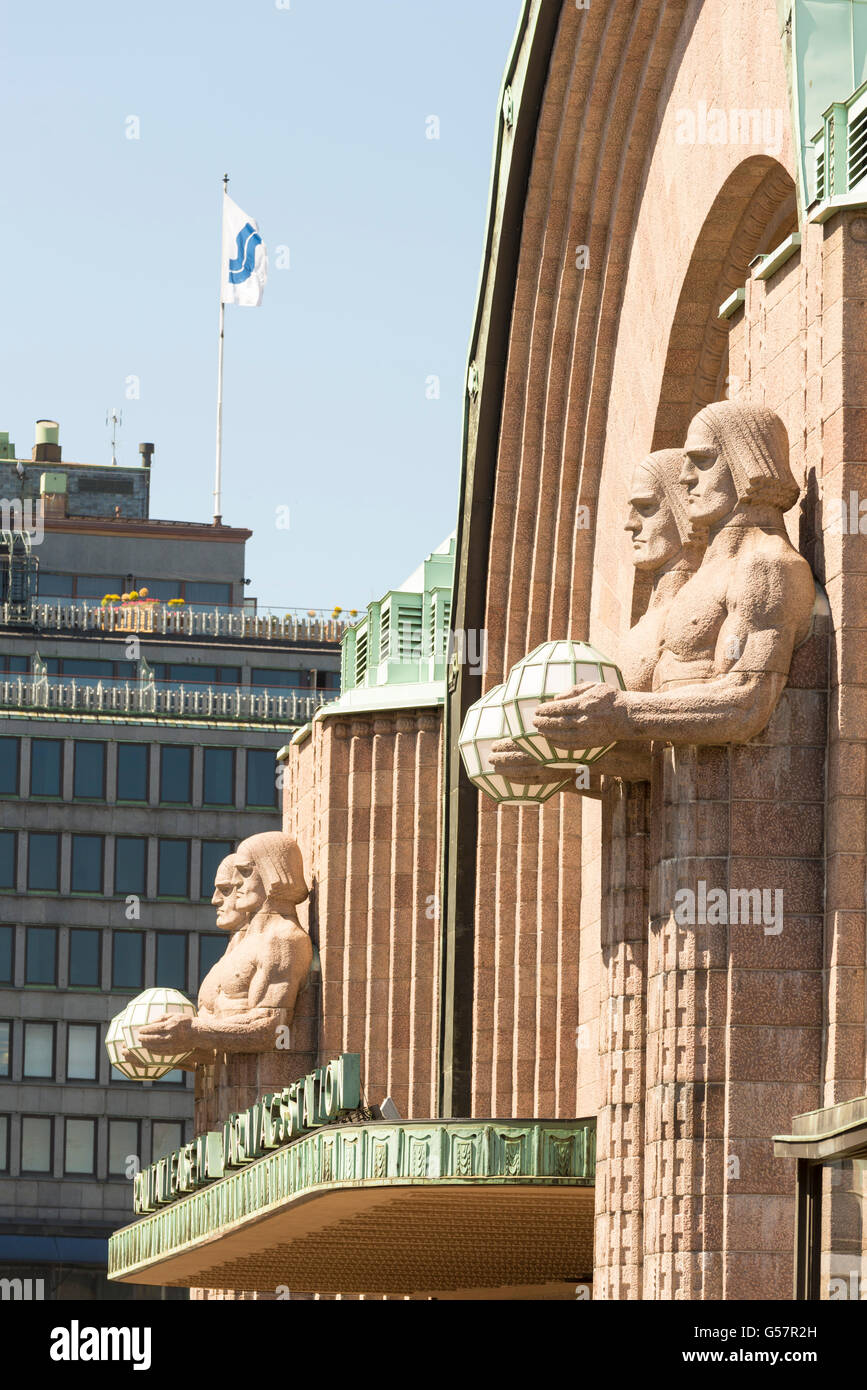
(114, 418)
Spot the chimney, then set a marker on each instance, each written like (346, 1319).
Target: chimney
(147, 453)
(47, 446)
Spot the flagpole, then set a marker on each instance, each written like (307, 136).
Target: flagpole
(218, 475)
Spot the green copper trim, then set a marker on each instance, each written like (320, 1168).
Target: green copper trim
(417, 1153)
(732, 304)
(774, 259)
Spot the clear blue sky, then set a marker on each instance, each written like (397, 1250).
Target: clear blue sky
(111, 245)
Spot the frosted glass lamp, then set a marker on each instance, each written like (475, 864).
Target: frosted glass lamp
(139, 1064)
(544, 675)
(483, 726)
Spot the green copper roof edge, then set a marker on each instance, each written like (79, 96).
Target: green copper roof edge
(429, 696)
(496, 1152)
(774, 259)
(733, 303)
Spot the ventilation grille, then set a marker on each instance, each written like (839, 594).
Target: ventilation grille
(361, 657)
(820, 175)
(438, 636)
(408, 634)
(858, 149)
(384, 633)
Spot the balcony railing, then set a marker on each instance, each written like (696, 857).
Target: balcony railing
(136, 698)
(159, 620)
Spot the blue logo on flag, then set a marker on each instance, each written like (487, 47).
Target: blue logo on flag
(242, 264)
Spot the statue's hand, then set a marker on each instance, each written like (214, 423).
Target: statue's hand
(511, 761)
(587, 716)
(172, 1033)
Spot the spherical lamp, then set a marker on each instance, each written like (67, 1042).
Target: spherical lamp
(483, 726)
(138, 1064)
(545, 674)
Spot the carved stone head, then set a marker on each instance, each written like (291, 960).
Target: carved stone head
(268, 872)
(658, 517)
(736, 454)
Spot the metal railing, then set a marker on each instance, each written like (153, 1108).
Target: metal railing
(136, 698)
(159, 620)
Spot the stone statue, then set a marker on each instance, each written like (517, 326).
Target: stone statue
(728, 635)
(251, 991)
(667, 544)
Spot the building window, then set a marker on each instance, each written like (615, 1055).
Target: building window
(173, 869)
(39, 1051)
(9, 764)
(127, 960)
(81, 1041)
(88, 780)
(166, 1136)
(280, 680)
(84, 958)
(132, 771)
(197, 592)
(130, 865)
(172, 960)
(211, 948)
(213, 854)
(4, 1143)
(7, 955)
(87, 857)
(8, 856)
(43, 862)
(45, 766)
(5, 1047)
(219, 778)
(124, 1148)
(40, 956)
(176, 775)
(79, 1153)
(261, 778)
(37, 1142)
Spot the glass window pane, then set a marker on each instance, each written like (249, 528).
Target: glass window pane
(55, 585)
(9, 757)
(176, 767)
(80, 1148)
(211, 948)
(87, 863)
(123, 1147)
(213, 854)
(40, 956)
(83, 669)
(172, 960)
(89, 775)
(167, 1135)
(5, 1046)
(132, 771)
(127, 963)
(36, 1144)
(43, 867)
(45, 762)
(261, 777)
(4, 1143)
(98, 585)
(7, 944)
(81, 1052)
(162, 588)
(193, 675)
(219, 779)
(39, 1049)
(84, 956)
(173, 870)
(198, 592)
(8, 854)
(294, 680)
(130, 865)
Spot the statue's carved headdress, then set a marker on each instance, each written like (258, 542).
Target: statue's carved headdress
(281, 868)
(754, 443)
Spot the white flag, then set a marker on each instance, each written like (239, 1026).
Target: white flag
(245, 259)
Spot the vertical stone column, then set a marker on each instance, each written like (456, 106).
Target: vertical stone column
(620, 1123)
